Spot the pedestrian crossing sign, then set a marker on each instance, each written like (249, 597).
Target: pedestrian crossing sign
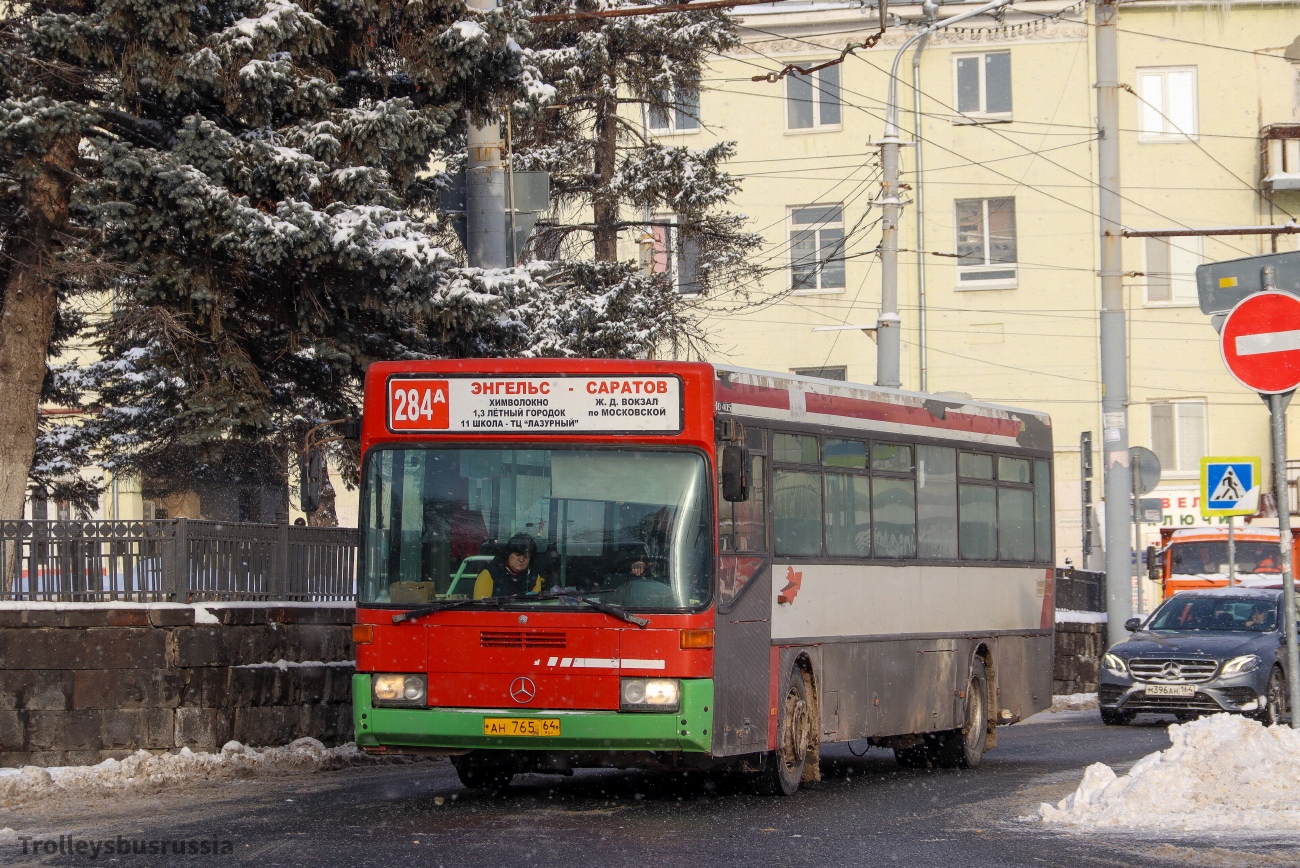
(1229, 486)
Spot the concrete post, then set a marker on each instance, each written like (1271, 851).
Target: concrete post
(1114, 351)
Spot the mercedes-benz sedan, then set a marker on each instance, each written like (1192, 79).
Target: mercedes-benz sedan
(1201, 652)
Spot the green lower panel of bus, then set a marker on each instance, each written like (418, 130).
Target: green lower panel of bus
(687, 730)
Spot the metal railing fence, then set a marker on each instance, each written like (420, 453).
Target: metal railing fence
(1080, 590)
(179, 560)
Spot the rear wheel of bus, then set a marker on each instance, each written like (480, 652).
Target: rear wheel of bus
(783, 769)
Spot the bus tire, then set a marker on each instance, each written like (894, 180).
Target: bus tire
(783, 769)
(964, 748)
(480, 773)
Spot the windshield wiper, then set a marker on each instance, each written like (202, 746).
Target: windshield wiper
(441, 606)
(608, 608)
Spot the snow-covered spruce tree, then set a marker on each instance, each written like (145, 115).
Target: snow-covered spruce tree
(251, 180)
(609, 179)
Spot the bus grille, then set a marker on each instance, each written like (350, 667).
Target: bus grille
(1173, 671)
(520, 639)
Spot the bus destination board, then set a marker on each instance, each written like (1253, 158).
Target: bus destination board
(528, 405)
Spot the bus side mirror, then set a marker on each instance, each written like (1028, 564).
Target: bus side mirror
(735, 477)
(1155, 564)
(311, 477)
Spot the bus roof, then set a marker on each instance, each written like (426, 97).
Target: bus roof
(812, 400)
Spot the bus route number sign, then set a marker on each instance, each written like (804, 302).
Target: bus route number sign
(535, 405)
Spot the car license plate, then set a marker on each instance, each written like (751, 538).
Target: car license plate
(1170, 690)
(539, 727)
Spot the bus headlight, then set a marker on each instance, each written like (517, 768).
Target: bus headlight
(399, 689)
(649, 694)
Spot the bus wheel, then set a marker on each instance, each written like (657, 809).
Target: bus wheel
(480, 773)
(964, 748)
(783, 770)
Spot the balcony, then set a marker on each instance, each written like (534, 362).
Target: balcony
(1280, 146)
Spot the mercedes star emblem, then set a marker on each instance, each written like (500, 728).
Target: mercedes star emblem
(522, 690)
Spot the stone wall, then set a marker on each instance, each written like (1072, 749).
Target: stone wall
(83, 684)
(1079, 648)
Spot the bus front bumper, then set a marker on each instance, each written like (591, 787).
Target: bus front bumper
(463, 728)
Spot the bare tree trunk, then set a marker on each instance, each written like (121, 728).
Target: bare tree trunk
(326, 515)
(605, 206)
(27, 321)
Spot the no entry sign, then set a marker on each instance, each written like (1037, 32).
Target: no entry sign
(1260, 342)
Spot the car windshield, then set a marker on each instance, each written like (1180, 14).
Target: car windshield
(1182, 612)
(629, 528)
(1200, 558)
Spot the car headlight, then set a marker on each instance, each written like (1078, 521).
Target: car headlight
(1238, 665)
(649, 694)
(399, 689)
(1114, 664)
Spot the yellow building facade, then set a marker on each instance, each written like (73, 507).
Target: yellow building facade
(1006, 287)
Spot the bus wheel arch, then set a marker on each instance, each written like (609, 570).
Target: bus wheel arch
(812, 771)
(984, 654)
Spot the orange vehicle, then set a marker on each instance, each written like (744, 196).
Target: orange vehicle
(1195, 558)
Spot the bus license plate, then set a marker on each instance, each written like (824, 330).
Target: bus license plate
(1170, 690)
(539, 727)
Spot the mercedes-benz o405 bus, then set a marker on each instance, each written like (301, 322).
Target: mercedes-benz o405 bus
(584, 563)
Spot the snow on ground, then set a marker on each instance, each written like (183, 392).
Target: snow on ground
(143, 772)
(1073, 702)
(1223, 773)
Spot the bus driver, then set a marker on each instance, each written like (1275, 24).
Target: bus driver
(511, 572)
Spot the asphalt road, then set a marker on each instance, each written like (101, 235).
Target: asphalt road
(866, 812)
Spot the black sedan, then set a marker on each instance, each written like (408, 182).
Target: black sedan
(1201, 652)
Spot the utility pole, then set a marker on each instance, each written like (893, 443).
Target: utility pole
(1114, 359)
(888, 339)
(485, 188)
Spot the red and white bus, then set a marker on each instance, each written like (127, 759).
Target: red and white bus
(732, 568)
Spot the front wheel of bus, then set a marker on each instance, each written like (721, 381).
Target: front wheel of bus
(964, 748)
(783, 770)
(479, 773)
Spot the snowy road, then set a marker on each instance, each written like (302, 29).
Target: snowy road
(866, 812)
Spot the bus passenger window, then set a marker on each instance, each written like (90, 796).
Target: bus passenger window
(936, 502)
(977, 506)
(1013, 469)
(1015, 524)
(848, 514)
(891, 457)
(845, 453)
(975, 466)
(797, 512)
(1043, 511)
(893, 504)
(794, 449)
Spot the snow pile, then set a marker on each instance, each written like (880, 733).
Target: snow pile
(1222, 773)
(1073, 702)
(143, 772)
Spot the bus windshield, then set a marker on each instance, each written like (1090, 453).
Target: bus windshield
(630, 528)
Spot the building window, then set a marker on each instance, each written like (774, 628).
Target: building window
(1178, 435)
(983, 85)
(1166, 104)
(1170, 268)
(813, 101)
(839, 372)
(681, 115)
(986, 243)
(673, 252)
(817, 248)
